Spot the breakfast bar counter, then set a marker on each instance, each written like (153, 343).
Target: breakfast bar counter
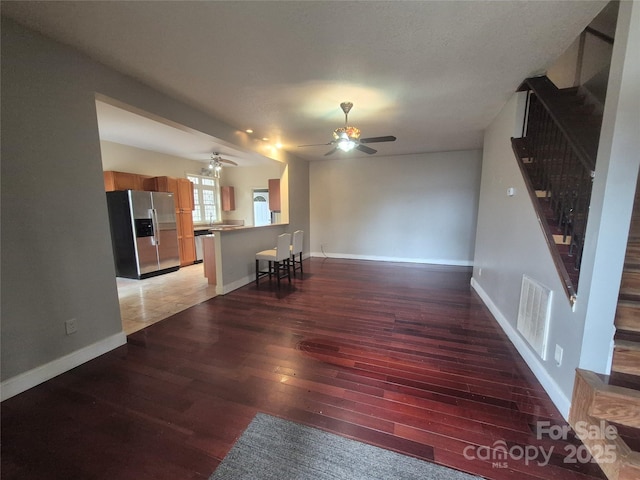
(229, 253)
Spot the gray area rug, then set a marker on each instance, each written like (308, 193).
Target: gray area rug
(275, 449)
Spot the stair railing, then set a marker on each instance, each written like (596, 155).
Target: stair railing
(560, 163)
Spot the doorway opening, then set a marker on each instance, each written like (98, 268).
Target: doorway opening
(261, 212)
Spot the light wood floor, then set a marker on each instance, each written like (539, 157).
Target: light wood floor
(145, 302)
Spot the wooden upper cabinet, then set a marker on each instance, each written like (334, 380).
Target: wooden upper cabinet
(122, 181)
(274, 194)
(228, 198)
(182, 189)
(163, 184)
(185, 194)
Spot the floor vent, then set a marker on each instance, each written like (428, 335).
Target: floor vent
(534, 313)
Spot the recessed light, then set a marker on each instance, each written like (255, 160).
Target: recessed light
(266, 139)
(248, 130)
(278, 145)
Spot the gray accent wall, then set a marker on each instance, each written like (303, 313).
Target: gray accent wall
(57, 262)
(511, 243)
(414, 208)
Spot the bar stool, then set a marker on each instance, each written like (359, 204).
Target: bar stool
(296, 249)
(278, 258)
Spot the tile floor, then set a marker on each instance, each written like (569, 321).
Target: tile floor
(145, 302)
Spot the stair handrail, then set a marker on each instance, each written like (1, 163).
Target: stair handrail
(567, 284)
(546, 92)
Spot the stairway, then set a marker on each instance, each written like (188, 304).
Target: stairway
(557, 157)
(626, 356)
(615, 399)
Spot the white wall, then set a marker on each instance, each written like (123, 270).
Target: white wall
(124, 158)
(57, 261)
(415, 208)
(586, 61)
(244, 180)
(564, 71)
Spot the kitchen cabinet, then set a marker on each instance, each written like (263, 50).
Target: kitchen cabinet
(123, 181)
(228, 197)
(163, 184)
(274, 194)
(185, 194)
(182, 189)
(186, 238)
(209, 260)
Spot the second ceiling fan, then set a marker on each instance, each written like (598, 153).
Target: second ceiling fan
(215, 165)
(348, 138)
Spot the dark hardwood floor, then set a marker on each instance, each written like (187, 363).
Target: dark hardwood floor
(401, 356)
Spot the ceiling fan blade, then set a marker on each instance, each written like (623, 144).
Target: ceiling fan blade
(365, 149)
(388, 138)
(331, 152)
(316, 144)
(230, 162)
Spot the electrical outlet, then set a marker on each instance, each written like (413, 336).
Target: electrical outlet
(71, 326)
(558, 355)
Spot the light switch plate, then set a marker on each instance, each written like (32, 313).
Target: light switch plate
(558, 355)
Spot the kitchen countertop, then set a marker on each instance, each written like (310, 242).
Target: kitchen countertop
(225, 227)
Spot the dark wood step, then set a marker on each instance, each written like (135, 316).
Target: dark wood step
(624, 380)
(569, 91)
(627, 336)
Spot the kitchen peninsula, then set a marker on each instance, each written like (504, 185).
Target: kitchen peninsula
(234, 250)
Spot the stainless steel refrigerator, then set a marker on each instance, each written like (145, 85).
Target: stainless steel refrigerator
(143, 233)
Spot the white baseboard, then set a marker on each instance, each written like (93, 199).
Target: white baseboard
(557, 396)
(20, 383)
(432, 261)
(230, 287)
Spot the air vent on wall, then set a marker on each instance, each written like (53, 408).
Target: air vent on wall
(534, 313)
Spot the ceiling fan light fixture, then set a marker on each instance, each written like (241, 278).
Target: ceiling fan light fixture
(346, 145)
(351, 133)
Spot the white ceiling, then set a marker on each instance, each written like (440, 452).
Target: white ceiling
(432, 73)
(139, 129)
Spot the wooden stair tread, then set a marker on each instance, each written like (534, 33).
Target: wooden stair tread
(617, 404)
(600, 404)
(630, 285)
(628, 316)
(626, 357)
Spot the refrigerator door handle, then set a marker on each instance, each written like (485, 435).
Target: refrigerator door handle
(154, 219)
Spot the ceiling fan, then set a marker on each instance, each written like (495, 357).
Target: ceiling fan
(347, 138)
(215, 165)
